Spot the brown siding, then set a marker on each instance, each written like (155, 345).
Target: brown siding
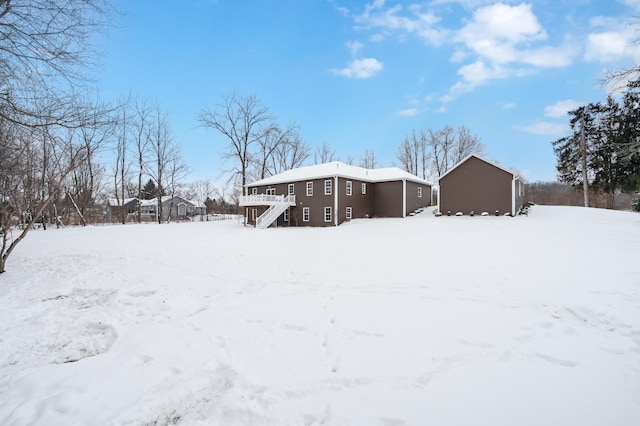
(413, 201)
(361, 204)
(387, 199)
(476, 185)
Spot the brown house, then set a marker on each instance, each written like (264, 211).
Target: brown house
(329, 194)
(478, 185)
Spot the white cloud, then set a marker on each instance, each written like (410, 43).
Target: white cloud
(413, 21)
(561, 108)
(610, 46)
(509, 105)
(361, 68)
(409, 112)
(501, 36)
(635, 4)
(547, 129)
(354, 47)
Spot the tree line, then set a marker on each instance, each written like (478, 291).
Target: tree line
(55, 131)
(602, 153)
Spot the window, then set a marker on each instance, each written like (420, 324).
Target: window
(286, 215)
(305, 214)
(364, 188)
(327, 214)
(349, 186)
(291, 189)
(271, 191)
(327, 187)
(309, 189)
(419, 192)
(254, 191)
(348, 213)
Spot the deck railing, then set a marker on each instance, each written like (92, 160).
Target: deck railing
(266, 200)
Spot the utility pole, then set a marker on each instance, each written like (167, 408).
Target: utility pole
(583, 145)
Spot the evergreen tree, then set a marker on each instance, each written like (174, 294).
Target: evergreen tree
(149, 190)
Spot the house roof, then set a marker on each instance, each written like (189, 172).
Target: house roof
(167, 198)
(337, 168)
(511, 172)
(121, 201)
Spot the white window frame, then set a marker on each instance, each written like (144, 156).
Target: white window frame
(271, 191)
(306, 214)
(328, 187)
(286, 215)
(290, 189)
(364, 188)
(349, 213)
(419, 192)
(254, 191)
(327, 214)
(309, 189)
(349, 189)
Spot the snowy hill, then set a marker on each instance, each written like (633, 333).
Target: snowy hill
(449, 321)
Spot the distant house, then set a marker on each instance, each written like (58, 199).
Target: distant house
(478, 185)
(177, 208)
(116, 206)
(329, 194)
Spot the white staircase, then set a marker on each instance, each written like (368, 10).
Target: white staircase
(277, 205)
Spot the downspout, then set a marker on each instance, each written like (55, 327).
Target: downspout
(335, 202)
(513, 197)
(404, 198)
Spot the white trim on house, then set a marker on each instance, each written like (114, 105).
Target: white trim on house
(309, 189)
(306, 214)
(349, 188)
(335, 201)
(404, 198)
(349, 213)
(513, 196)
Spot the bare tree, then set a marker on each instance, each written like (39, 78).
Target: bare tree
(167, 169)
(141, 135)
(368, 160)
(201, 191)
(292, 153)
(449, 146)
(45, 48)
(243, 121)
(34, 167)
(273, 139)
(324, 154)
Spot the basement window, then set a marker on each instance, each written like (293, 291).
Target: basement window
(305, 214)
(348, 213)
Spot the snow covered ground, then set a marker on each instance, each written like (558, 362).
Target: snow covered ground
(441, 321)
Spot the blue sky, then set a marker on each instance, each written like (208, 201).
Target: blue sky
(361, 74)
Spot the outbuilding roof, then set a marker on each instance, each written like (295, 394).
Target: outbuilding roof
(511, 172)
(340, 169)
